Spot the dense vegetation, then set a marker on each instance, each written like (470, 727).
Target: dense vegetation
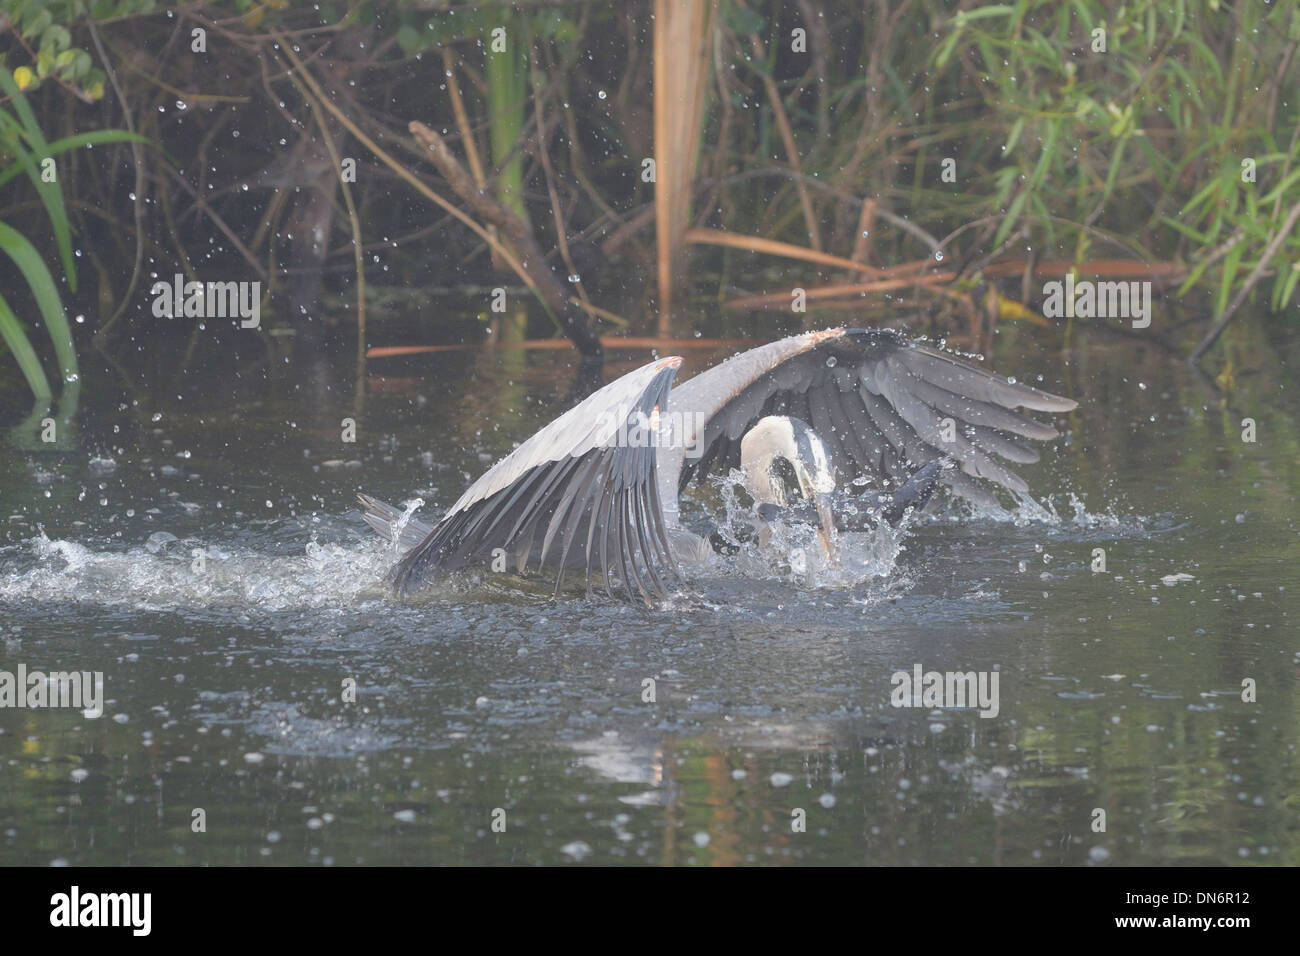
(896, 155)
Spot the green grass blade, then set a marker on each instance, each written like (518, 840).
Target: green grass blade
(51, 194)
(1230, 266)
(38, 277)
(97, 138)
(14, 337)
(1011, 219)
(1285, 288)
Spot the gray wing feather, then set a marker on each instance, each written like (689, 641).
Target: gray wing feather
(877, 400)
(577, 495)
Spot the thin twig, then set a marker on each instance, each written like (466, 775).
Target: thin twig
(534, 270)
(322, 123)
(787, 138)
(543, 150)
(413, 181)
(137, 154)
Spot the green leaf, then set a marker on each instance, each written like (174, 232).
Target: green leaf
(983, 13)
(945, 51)
(76, 142)
(37, 23)
(1048, 154)
(1193, 277)
(1114, 169)
(81, 65)
(1230, 266)
(1282, 187)
(51, 195)
(742, 20)
(12, 333)
(1284, 288)
(40, 281)
(1016, 129)
(56, 39)
(1085, 17)
(1209, 191)
(409, 39)
(1200, 237)
(1012, 217)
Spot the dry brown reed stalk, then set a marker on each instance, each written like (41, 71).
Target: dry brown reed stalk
(719, 237)
(818, 293)
(681, 29)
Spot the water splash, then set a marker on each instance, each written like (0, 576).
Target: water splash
(176, 577)
(793, 552)
(399, 526)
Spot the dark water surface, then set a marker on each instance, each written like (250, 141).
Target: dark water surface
(1119, 690)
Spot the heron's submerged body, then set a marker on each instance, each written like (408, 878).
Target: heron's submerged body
(806, 419)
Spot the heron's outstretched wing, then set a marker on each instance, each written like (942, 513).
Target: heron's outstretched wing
(878, 401)
(580, 494)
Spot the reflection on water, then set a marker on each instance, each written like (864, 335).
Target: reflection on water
(199, 544)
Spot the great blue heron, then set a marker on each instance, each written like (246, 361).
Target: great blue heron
(595, 491)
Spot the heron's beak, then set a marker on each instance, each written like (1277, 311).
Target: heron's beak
(816, 487)
(826, 529)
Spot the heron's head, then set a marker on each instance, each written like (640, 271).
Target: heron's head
(784, 459)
